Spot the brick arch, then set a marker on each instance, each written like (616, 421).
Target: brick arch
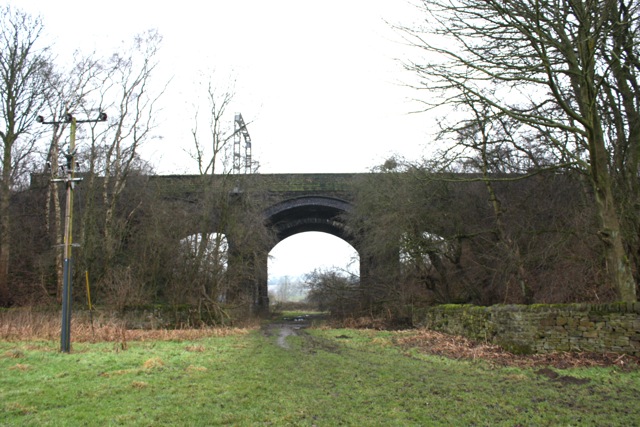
(311, 213)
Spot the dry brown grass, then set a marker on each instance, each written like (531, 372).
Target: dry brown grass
(153, 363)
(22, 409)
(364, 322)
(192, 368)
(14, 354)
(26, 324)
(456, 347)
(139, 384)
(19, 367)
(119, 372)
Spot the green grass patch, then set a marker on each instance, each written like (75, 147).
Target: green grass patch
(327, 377)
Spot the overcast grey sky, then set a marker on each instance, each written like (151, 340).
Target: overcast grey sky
(319, 82)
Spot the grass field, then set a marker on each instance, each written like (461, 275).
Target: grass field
(325, 377)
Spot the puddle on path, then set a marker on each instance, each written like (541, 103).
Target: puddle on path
(288, 327)
(286, 331)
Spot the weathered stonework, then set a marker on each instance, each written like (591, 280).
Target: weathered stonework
(541, 328)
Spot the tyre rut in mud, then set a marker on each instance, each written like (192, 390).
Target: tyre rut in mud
(295, 326)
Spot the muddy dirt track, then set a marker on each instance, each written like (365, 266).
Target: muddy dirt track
(453, 347)
(295, 326)
(286, 327)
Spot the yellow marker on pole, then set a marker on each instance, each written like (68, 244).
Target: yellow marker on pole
(86, 276)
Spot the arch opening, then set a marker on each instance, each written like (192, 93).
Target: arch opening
(203, 266)
(211, 248)
(302, 254)
(309, 218)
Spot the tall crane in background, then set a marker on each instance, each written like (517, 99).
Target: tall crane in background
(240, 132)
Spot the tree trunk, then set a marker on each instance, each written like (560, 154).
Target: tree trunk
(56, 232)
(586, 92)
(618, 267)
(515, 264)
(53, 202)
(5, 224)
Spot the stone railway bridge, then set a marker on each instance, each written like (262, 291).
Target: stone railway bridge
(257, 211)
(287, 204)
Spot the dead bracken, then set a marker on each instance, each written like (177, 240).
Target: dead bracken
(457, 347)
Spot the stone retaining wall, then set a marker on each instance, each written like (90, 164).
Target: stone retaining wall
(541, 328)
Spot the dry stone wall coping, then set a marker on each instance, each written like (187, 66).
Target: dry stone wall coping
(542, 328)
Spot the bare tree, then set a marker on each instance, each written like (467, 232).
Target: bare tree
(289, 290)
(483, 237)
(491, 145)
(68, 92)
(333, 291)
(567, 71)
(124, 89)
(204, 254)
(212, 146)
(401, 212)
(23, 68)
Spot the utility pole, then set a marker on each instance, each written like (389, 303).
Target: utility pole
(69, 179)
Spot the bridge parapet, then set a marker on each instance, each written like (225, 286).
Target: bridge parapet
(278, 186)
(309, 183)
